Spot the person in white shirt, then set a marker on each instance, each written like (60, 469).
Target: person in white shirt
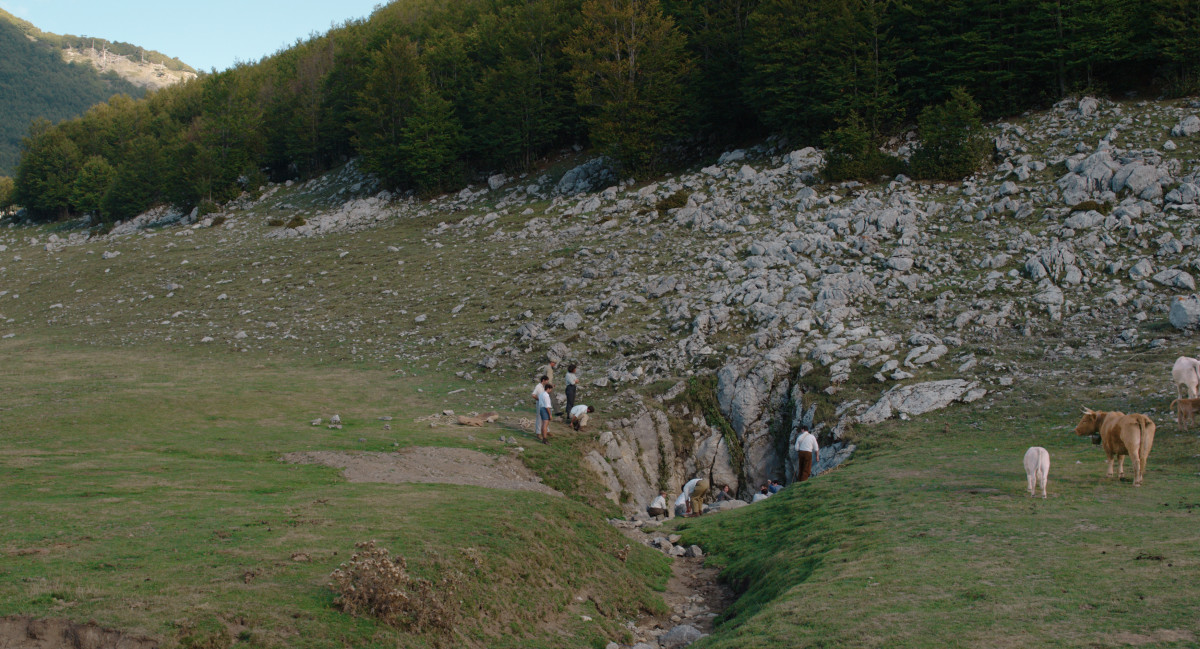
(659, 506)
(579, 416)
(538, 389)
(691, 500)
(807, 454)
(763, 494)
(544, 408)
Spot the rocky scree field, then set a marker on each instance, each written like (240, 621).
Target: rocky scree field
(710, 311)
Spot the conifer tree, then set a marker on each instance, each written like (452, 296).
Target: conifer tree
(430, 145)
(630, 70)
(392, 88)
(717, 32)
(811, 63)
(1177, 38)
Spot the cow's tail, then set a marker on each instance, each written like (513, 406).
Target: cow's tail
(1174, 408)
(1196, 371)
(1141, 449)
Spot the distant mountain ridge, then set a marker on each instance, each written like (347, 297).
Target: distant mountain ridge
(53, 77)
(145, 68)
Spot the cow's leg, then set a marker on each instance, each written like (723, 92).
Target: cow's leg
(1110, 466)
(1138, 465)
(1031, 477)
(1120, 467)
(1044, 476)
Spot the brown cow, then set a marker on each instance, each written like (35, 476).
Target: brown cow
(1120, 435)
(1185, 411)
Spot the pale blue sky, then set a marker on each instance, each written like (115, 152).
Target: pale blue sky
(205, 35)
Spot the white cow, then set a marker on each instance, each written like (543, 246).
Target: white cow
(1186, 373)
(1037, 468)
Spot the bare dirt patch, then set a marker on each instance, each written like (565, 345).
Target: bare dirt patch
(30, 633)
(1160, 636)
(458, 466)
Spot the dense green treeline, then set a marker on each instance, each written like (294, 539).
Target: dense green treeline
(428, 93)
(36, 82)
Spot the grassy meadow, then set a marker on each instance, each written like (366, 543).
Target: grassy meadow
(927, 539)
(143, 490)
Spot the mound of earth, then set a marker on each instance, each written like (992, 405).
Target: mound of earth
(459, 466)
(29, 633)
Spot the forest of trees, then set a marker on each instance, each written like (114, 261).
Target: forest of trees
(429, 93)
(36, 82)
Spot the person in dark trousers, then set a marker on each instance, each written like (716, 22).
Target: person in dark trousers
(807, 453)
(572, 381)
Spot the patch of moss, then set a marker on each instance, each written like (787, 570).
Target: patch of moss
(674, 201)
(1090, 206)
(701, 397)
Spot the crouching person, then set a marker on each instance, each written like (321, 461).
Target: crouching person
(579, 416)
(659, 506)
(691, 500)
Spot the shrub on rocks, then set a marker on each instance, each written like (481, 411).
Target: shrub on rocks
(952, 140)
(852, 154)
(676, 200)
(1093, 206)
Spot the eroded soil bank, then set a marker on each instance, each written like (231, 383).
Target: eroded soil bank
(28, 633)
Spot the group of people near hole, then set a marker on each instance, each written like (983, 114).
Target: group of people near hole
(1119, 434)
(690, 501)
(574, 414)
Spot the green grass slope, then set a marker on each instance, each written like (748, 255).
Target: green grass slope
(143, 490)
(928, 538)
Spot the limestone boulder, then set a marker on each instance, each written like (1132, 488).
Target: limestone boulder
(680, 636)
(916, 399)
(1187, 127)
(1185, 312)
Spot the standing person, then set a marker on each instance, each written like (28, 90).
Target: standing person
(538, 389)
(572, 382)
(544, 407)
(547, 370)
(579, 415)
(807, 453)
